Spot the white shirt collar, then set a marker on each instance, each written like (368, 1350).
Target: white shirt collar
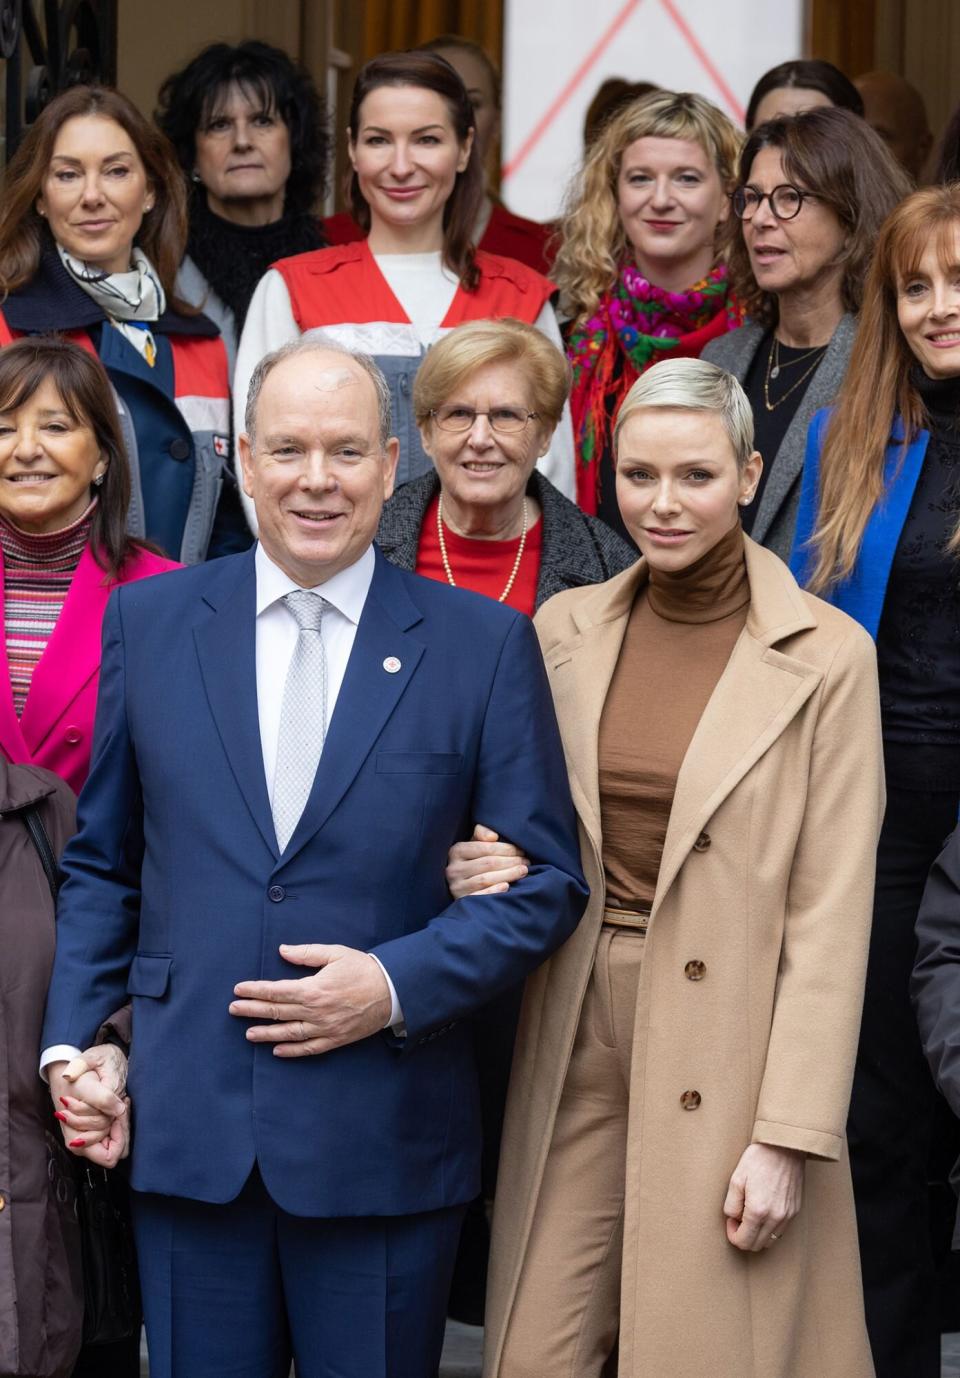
(346, 591)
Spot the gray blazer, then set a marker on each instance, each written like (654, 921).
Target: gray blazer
(777, 515)
(577, 549)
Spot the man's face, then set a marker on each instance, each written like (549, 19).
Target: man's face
(316, 471)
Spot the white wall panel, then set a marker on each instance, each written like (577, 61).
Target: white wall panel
(557, 52)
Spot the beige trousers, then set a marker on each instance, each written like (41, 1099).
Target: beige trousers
(566, 1315)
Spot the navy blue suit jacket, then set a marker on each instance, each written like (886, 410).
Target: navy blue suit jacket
(175, 890)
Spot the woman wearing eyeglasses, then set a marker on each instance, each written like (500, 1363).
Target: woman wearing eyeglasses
(487, 399)
(813, 191)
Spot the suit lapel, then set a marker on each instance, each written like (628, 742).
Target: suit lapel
(72, 655)
(368, 696)
(226, 648)
(789, 459)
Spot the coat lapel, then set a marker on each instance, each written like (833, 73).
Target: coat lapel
(368, 696)
(822, 390)
(226, 647)
(72, 655)
(729, 739)
(581, 668)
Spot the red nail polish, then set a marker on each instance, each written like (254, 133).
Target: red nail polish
(58, 1115)
(64, 1101)
(77, 1143)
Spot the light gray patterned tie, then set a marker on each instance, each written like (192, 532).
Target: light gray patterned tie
(303, 717)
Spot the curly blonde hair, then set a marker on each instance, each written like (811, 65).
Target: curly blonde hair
(592, 241)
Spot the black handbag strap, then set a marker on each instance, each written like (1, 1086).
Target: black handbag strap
(33, 822)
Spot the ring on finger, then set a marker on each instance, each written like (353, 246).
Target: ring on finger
(775, 1236)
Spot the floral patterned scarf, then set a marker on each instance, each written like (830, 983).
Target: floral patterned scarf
(635, 325)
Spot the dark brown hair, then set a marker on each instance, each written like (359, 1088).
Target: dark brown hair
(83, 385)
(809, 74)
(839, 158)
(432, 73)
(163, 232)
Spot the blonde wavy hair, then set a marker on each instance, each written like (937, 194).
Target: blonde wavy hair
(878, 386)
(592, 241)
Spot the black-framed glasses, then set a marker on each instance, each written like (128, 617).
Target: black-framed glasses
(507, 420)
(785, 201)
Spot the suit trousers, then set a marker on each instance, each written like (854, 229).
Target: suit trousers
(237, 1290)
(566, 1318)
(894, 1101)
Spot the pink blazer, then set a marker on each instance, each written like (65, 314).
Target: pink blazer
(57, 723)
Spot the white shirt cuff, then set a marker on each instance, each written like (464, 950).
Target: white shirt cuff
(63, 1052)
(395, 1023)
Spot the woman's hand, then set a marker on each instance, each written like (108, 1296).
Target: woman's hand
(91, 1106)
(764, 1195)
(484, 865)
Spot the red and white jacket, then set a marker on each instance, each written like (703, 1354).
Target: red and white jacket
(342, 293)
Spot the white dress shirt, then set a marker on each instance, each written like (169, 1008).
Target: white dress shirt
(277, 634)
(276, 639)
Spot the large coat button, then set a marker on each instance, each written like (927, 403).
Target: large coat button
(690, 1100)
(180, 449)
(276, 893)
(695, 971)
(702, 843)
(73, 734)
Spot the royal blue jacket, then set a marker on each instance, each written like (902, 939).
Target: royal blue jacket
(863, 592)
(175, 890)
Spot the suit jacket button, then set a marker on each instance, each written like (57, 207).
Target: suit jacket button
(695, 971)
(73, 734)
(179, 449)
(702, 843)
(277, 893)
(690, 1100)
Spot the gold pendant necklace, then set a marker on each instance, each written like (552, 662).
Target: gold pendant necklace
(770, 373)
(790, 363)
(446, 559)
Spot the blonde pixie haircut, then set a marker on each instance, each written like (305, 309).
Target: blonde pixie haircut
(693, 385)
(472, 346)
(592, 241)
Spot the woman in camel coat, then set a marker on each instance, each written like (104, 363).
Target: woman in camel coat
(747, 1007)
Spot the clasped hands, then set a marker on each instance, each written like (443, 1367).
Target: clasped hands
(766, 1188)
(344, 999)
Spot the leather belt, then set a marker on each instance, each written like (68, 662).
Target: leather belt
(637, 919)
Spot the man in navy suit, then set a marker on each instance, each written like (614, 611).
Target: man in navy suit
(288, 741)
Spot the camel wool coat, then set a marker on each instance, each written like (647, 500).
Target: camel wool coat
(767, 881)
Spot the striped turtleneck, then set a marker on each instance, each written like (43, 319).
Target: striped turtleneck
(37, 572)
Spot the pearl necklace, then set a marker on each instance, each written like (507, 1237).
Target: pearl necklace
(446, 559)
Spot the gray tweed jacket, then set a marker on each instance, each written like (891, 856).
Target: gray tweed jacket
(577, 549)
(777, 515)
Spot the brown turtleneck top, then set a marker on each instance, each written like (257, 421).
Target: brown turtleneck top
(679, 637)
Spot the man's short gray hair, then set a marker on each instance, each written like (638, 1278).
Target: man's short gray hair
(693, 385)
(316, 343)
